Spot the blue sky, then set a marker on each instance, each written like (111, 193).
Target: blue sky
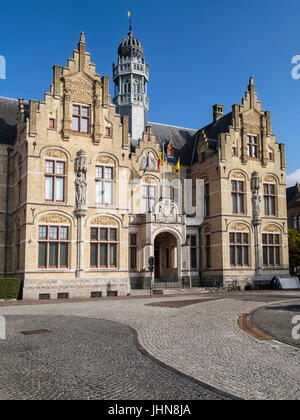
(200, 53)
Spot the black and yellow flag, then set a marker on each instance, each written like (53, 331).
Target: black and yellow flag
(177, 169)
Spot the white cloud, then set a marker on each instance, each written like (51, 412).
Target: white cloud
(293, 178)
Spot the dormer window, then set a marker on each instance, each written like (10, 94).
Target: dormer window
(81, 118)
(252, 144)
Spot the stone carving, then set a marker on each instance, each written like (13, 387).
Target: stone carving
(104, 221)
(166, 211)
(80, 182)
(54, 153)
(152, 162)
(239, 227)
(270, 178)
(251, 118)
(271, 228)
(238, 175)
(55, 219)
(105, 159)
(255, 187)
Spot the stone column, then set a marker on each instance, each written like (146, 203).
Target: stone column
(80, 208)
(256, 221)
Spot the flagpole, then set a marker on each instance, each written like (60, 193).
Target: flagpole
(148, 182)
(164, 182)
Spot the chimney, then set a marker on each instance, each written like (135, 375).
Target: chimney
(218, 112)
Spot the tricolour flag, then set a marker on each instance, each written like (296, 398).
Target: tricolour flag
(177, 169)
(160, 161)
(147, 163)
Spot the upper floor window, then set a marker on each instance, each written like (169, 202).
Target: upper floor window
(271, 249)
(252, 144)
(104, 185)
(52, 123)
(53, 246)
(269, 199)
(81, 118)
(237, 195)
(108, 132)
(55, 181)
(148, 198)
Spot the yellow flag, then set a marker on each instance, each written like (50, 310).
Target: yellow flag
(177, 169)
(129, 13)
(160, 161)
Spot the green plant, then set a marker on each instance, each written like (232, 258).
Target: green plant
(294, 248)
(9, 288)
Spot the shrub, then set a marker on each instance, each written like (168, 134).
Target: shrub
(9, 288)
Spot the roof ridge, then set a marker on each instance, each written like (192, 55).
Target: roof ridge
(174, 126)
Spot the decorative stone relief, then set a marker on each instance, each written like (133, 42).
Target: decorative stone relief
(238, 175)
(239, 227)
(105, 159)
(55, 154)
(152, 162)
(55, 219)
(271, 228)
(255, 187)
(104, 221)
(270, 178)
(166, 211)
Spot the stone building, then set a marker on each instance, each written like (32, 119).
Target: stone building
(293, 207)
(84, 205)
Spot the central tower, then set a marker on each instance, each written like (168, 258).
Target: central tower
(130, 77)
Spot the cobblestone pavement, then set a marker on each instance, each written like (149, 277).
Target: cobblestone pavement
(201, 340)
(84, 358)
(276, 320)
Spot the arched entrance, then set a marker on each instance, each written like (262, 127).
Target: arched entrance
(166, 258)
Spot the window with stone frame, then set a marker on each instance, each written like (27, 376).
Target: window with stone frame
(271, 249)
(239, 249)
(53, 247)
(149, 195)
(103, 247)
(194, 250)
(252, 146)
(270, 199)
(55, 180)
(238, 196)
(133, 251)
(81, 118)
(104, 185)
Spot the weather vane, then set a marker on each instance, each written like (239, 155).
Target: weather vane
(129, 15)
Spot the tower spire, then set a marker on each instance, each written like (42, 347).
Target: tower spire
(130, 21)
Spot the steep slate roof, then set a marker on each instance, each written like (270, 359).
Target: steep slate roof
(8, 120)
(185, 140)
(293, 196)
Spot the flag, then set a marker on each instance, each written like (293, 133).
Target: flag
(177, 169)
(129, 13)
(147, 164)
(160, 161)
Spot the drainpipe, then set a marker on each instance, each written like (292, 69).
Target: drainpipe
(200, 255)
(9, 150)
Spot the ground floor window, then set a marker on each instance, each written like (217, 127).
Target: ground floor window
(271, 250)
(193, 244)
(239, 249)
(103, 248)
(208, 251)
(133, 251)
(53, 247)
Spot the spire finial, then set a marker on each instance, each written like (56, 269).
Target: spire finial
(130, 21)
(251, 81)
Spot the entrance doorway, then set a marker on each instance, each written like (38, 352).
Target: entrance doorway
(166, 258)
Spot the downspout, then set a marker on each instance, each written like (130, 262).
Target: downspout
(9, 150)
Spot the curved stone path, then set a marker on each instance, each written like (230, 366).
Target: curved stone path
(201, 340)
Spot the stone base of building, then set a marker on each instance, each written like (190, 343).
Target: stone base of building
(39, 289)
